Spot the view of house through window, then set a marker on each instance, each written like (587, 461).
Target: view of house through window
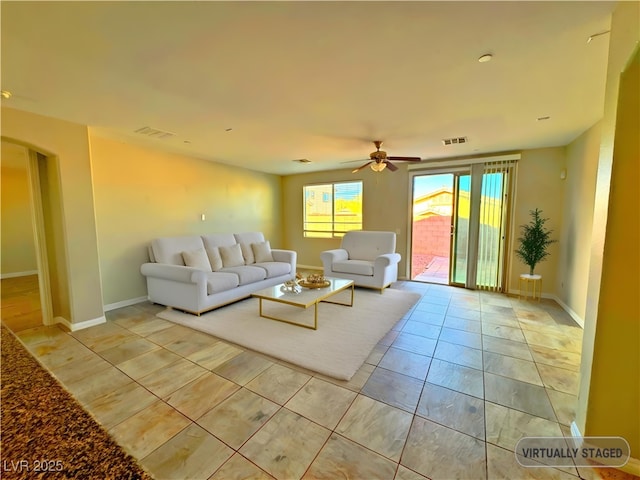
(331, 209)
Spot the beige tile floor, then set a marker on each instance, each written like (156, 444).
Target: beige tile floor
(446, 394)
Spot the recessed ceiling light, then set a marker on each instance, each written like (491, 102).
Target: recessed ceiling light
(485, 58)
(5, 94)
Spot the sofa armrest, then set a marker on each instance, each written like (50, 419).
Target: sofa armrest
(176, 273)
(386, 259)
(286, 256)
(328, 257)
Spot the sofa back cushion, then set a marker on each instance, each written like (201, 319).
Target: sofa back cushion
(367, 245)
(169, 249)
(249, 237)
(218, 240)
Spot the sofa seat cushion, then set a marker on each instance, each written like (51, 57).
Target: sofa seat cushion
(356, 267)
(274, 269)
(247, 274)
(221, 282)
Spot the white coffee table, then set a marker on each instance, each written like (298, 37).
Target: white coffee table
(304, 299)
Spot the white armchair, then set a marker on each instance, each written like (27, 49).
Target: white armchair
(368, 258)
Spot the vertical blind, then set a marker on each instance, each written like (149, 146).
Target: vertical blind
(494, 210)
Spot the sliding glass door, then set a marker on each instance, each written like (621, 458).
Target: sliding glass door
(459, 236)
(440, 226)
(460, 229)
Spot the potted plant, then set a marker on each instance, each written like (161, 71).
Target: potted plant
(534, 241)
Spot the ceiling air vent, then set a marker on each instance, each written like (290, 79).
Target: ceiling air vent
(154, 133)
(454, 140)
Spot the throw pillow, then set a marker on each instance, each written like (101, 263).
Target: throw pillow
(247, 253)
(214, 258)
(197, 259)
(262, 251)
(231, 256)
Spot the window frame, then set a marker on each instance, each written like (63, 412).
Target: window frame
(334, 231)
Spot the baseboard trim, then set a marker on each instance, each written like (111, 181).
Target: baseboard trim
(632, 466)
(309, 267)
(518, 293)
(579, 320)
(18, 274)
(80, 325)
(124, 303)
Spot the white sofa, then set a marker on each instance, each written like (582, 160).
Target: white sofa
(368, 258)
(200, 273)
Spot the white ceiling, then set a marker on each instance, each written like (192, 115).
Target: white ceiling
(314, 80)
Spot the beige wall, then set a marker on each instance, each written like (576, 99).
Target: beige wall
(18, 254)
(575, 233)
(141, 194)
(385, 207)
(610, 370)
(67, 143)
(539, 186)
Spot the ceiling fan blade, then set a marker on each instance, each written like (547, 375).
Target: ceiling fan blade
(354, 161)
(405, 159)
(361, 167)
(391, 166)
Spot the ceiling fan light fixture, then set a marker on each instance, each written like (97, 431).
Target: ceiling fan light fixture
(378, 167)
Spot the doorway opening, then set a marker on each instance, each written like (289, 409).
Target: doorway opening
(439, 227)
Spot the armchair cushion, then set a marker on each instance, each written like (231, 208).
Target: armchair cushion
(357, 267)
(367, 245)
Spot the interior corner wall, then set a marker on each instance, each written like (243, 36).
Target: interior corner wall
(538, 186)
(142, 193)
(69, 143)
(18, 251)
(575, 234)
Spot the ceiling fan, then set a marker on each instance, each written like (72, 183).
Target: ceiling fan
(379, 160)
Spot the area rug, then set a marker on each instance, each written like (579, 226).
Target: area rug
(344, 339)
(45, 431)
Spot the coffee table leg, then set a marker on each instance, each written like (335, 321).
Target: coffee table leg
(340, 303)
(284, 320)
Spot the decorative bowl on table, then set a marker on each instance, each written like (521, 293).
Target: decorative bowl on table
(314, 280)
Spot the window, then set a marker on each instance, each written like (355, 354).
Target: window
(332, 209)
